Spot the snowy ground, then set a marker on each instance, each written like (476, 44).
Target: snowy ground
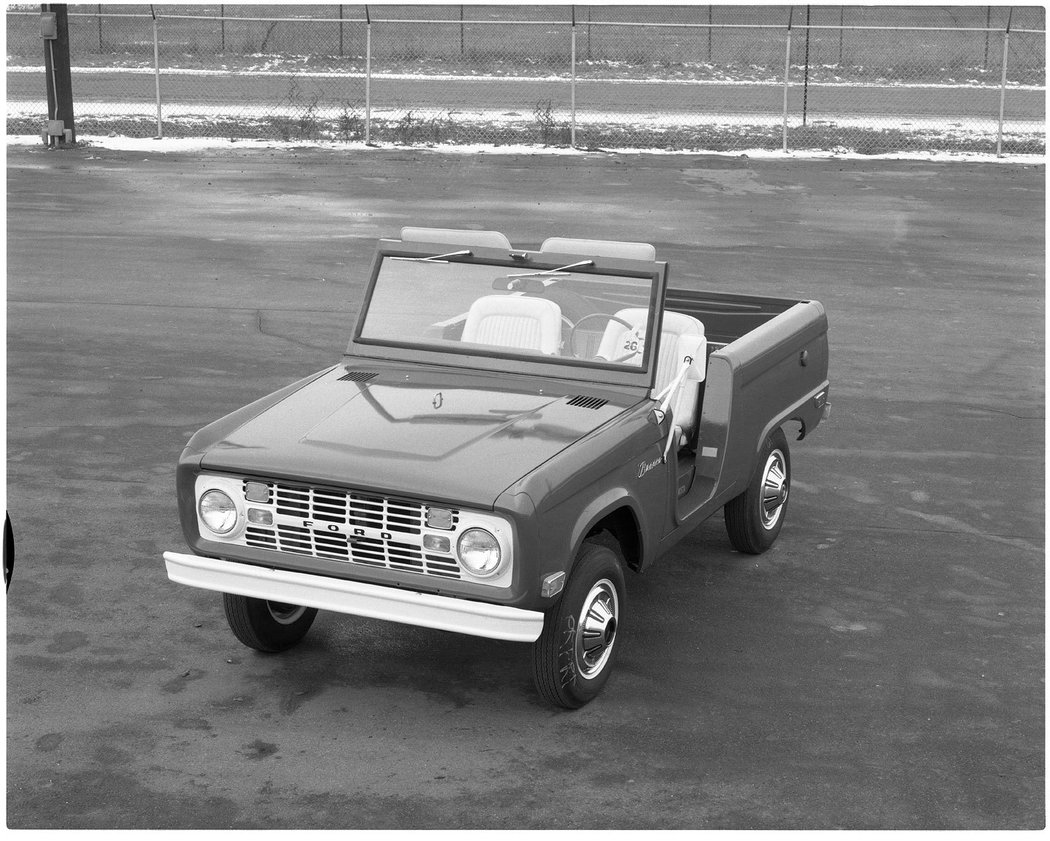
(699, 114)
(192, 144)
(176, 110)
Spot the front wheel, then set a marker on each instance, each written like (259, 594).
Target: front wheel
(267, 626)
(754, 518)
(573, 657)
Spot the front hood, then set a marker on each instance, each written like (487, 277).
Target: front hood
(436, 434)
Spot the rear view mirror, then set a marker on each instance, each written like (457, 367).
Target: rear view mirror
(533, 285)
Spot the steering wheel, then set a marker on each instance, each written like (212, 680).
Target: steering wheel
(634, 344)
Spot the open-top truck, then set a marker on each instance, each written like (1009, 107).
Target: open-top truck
(509, 431)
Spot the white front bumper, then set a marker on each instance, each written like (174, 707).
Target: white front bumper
(336, 594)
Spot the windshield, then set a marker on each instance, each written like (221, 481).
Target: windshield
(573, 316)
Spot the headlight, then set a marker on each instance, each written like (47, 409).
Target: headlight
(479, 552)
(218, 512)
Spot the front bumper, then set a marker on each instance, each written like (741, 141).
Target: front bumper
(478, 619)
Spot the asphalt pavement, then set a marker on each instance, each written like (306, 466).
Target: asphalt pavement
(881, 667)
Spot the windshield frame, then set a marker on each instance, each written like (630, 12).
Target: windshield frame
(504, 361)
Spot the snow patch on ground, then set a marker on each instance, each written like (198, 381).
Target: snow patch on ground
(1022, 129)
(203, 144)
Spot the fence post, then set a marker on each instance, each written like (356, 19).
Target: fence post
(368, 77)
(590, 57)
(572, 129)
(1002, 86)
(842, 22)
(710, 21)
(340, 30)
(156, 71)
(100, 28)
(987, 35)
(222, 27)
(787, 71)
(805, 79)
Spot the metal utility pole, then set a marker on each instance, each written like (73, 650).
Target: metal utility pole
(54, 28)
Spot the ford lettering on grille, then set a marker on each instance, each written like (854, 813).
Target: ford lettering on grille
(346, 526)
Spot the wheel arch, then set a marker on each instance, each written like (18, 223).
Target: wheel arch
(620, 519)
(806, 413)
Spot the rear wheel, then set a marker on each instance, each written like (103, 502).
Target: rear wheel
(265, 625)
(573, 657)
(754, 518)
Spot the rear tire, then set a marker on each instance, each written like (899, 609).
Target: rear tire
(572, 659)
(267, 626)
(754, 518)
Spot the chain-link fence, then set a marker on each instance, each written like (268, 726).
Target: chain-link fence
(870, 79)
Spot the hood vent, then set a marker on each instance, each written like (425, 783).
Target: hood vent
(582, 401)
(357, 376)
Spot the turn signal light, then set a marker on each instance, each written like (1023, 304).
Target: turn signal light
(437, 543)
(439, 518)
(259, 517)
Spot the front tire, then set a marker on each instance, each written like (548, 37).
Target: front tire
(572, 659)
(754, 518)
(264, 625)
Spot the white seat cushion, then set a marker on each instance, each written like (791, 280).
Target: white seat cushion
(675, 325)
(514, 321)
(681, 339)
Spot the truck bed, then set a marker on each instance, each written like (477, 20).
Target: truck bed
(767, 365)
(726, 317)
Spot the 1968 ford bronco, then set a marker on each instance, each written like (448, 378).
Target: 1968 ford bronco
(508, 432)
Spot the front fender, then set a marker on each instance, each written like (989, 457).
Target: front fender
(601, 507)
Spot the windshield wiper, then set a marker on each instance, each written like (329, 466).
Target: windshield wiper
(436, 258)
(554, 271)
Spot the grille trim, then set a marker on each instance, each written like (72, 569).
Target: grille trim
(344, 525)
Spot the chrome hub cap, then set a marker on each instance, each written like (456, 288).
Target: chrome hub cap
(596, 629)
(285, 614)
(774, 489)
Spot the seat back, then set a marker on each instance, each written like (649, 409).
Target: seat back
(685, 408)
(454, 236)
(681, 338)
(674, 327)
(514, 321)
(600, 248)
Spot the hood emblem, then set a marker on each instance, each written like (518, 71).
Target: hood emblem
(438, 401)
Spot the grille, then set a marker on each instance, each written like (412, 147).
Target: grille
(583, 402)
(320, 522)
